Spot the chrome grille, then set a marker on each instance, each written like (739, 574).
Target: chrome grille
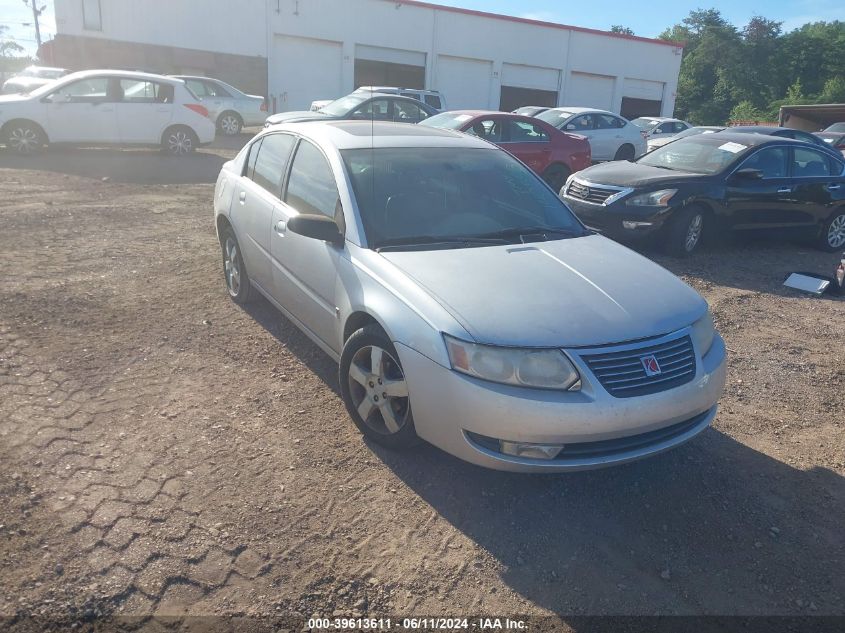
(624, 376)
(589, 193)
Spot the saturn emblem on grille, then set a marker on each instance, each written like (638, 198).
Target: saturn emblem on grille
(651, 366)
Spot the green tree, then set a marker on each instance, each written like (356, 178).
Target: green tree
(746, 111)
(833, 91)
(8, 46)
(618, 28)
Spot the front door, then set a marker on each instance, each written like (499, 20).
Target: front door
(768, 202)
(82, 112)
(305, 269)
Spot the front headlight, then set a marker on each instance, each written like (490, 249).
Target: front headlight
(538, 368)
(652, 199)
(703, 333)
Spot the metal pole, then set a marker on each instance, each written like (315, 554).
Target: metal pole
(35, 14)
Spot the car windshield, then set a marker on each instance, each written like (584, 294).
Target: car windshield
(836, 127)
(554, 117)
(695, 131)
(343, 105)
(702, 154)
(447, 120)
(646, 123)
(434, 196)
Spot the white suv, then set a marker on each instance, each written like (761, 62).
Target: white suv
(106, 107)
(431, 98)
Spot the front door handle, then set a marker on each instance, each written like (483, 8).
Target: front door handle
(281, 227)
(242, 196)
(785, 190)
(833, 187)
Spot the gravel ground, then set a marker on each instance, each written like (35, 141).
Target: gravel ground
(163, 451)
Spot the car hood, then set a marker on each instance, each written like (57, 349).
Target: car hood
(296, 117)
(566, 293)
(13, 99)
(624, 174)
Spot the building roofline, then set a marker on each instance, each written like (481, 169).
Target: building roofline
(554, 25)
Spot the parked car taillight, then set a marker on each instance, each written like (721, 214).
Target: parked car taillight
(263, 106)
(199, 109)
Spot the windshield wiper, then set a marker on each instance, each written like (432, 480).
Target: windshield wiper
(523, 231)
(437, 240)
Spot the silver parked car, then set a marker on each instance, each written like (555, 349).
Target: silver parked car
(32, 77)
(228, 107)
(465, 303)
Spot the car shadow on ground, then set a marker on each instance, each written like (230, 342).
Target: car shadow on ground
(712, 527)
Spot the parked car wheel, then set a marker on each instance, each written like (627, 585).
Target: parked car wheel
(23, 137)
(626, 152)
(685, 232)
(832, 235)
(230, 123)
(179, 140)
(234, 270)
(556, 176)
(374, 389)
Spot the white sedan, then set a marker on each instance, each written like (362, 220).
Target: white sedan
(611, 136)
(228, 107)
(106, 107)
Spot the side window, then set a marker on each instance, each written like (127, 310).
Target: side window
(249, 166)
(215, 90)
(581, 123)
(772, 161)
(807, 163)
(272, 161)
(134, 91)
(311, 187)
(197, 87)
(377, 110)
(679, 127)
(525, 132)
(433, 101)
(404, 112)
(83, 91)
(488, 129)
(608, 122)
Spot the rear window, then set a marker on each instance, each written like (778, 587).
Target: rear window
(433, 101)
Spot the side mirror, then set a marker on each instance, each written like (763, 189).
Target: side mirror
(318, 227)
(749, 174)
(569, 126)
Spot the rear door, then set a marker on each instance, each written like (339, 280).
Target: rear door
(766, 203)
(305, 269)
(529, 142)
(256, 198)
(82, 112)
(143, 110)
(584, 124)
(818, 185)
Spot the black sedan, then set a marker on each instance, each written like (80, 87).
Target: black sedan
(713, 183)
(361, 106)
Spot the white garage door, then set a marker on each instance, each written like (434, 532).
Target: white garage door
(643, 89)
(520, 76)
(303, 70)
(590, 91)
(464, 82)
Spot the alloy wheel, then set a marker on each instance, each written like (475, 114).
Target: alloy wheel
(694, 232)
(180, 142)
(23, 140)
(231, 268)
(378, 389)
(836, 232)
(230, 125)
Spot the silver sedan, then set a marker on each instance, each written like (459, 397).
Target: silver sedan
(464, 302)
(228, 107)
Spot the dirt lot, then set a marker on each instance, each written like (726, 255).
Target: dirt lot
(164, 451)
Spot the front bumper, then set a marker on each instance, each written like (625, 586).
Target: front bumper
(610, 219)
(452, 411)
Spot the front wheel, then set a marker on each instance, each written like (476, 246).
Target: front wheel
(179, 141)
(685, 231)
(374, 389)
(832, 236)
(23, 138)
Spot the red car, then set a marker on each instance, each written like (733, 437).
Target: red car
(552, 154)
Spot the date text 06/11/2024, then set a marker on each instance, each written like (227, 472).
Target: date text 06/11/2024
(416, 624)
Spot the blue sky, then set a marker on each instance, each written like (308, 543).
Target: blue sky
(646, 19)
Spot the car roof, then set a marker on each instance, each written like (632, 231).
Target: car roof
(36, 67)
(758, 129)
(751, 139)
(130, 74)
(582, 110)
(378, 88)
(377, 134)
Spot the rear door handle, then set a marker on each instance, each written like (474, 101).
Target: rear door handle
(280, 227)
(242, 196)
(833, 187)
(785, 190)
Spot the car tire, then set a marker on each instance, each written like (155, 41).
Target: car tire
(179, 140)
(230, 123)
(832, 235)
(235, 274)
(626, 152)
(369, 371)
(685, 232)
(23, 137)
(556, 175)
